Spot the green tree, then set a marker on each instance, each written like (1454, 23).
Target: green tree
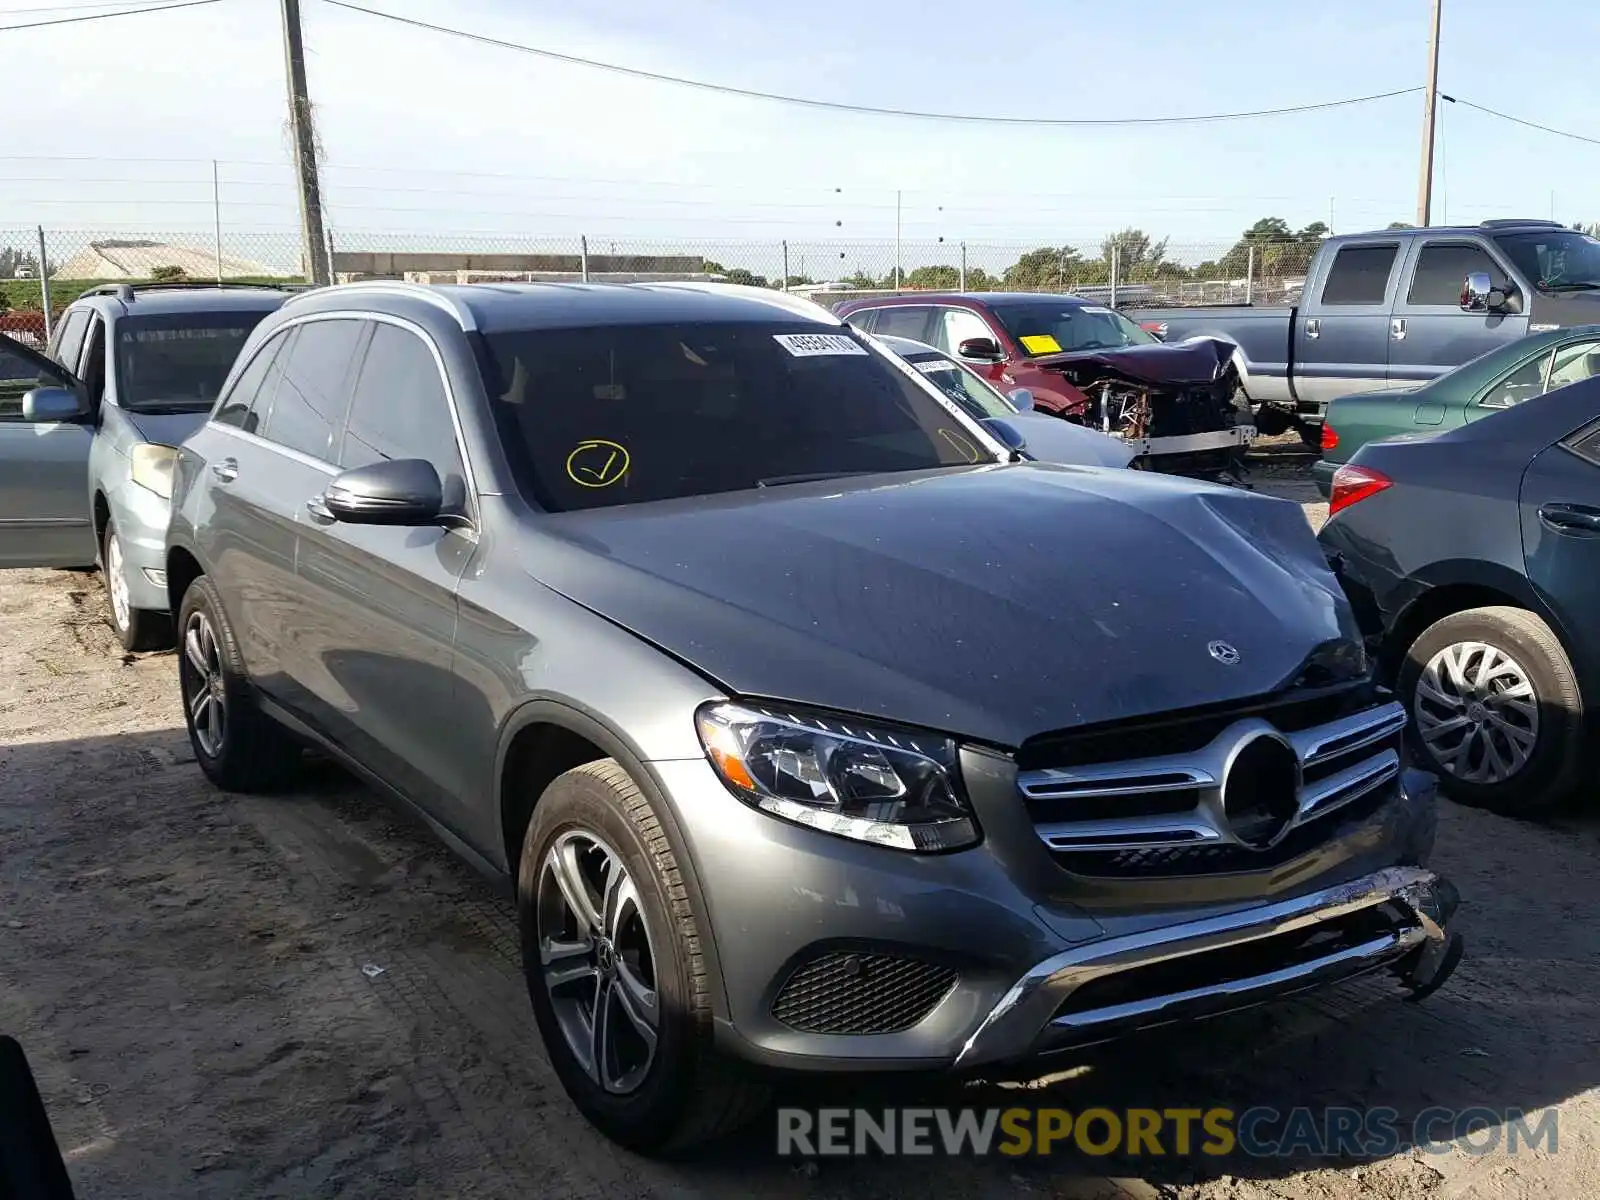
(941, 278)
(1139, 256)
(168, 274)
(1044, 268)
(1399, 225)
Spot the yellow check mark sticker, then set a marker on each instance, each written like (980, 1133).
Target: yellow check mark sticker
(597, 463)
(961, 445)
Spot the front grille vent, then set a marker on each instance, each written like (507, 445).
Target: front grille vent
(844, 992)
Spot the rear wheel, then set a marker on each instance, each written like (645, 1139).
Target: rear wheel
(611, 948)
(1495, 710)
(239, 747)
(136, 628)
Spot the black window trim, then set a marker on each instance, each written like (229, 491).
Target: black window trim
(1399, 259)
(1573, 442)
(1422, 244)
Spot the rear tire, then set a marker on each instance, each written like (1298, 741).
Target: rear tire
(656, 1096)
(239, 748)
(136, 628)
(1512, 743)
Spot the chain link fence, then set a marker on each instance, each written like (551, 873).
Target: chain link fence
(1127, 272)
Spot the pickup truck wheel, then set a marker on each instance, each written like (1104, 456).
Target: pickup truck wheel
(611, 952)
(136, 628)
(239, 747)
(1495, 710)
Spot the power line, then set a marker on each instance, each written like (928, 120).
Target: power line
(1566, 133)
(55, 8)
(127, 12)
(839, 106)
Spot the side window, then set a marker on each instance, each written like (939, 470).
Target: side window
(18, 377)
(1522, 384)
(1573, 364)
(311, 392)
(251, 395)
(1587, 443)
(67, 345)
(400, 410)
(1442, 267)
(1359, 275)
(861, 319)
(956, 325)
(906, 321)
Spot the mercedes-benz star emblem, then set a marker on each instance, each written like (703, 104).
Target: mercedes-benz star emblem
(1223, 653)
(1261, 790)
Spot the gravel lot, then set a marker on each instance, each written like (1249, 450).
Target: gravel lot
(195, 979)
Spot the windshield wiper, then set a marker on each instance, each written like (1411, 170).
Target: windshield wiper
(168, 410)
(1585, 286)
(809, 477)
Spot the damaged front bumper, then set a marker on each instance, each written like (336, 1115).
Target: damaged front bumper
(1393, 919)
(1239, 437)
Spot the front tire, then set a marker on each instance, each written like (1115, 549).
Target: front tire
(239, 747)
(611, 949)
(1495, 710)
(136, 628)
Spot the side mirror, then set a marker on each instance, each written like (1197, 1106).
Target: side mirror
(980, 349)
(49, 404)
(1478, 294)
(404, 491)
(1008, 434)
(1022, 400)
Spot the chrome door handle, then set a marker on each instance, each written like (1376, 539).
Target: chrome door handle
(227, 470)
(1313, 328)
(319, 511)
(1397, 329)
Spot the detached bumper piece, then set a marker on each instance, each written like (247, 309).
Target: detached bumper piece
(1393, 919)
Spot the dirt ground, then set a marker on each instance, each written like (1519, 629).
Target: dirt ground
(307, 996)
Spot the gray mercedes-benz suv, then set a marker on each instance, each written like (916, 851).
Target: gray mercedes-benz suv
(811, 730)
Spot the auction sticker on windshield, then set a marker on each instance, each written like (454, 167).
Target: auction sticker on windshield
(935, 364)
(1040, 343)
(809, 345)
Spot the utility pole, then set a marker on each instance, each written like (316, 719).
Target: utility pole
(1430, 106)
(314, 240)
(898, 273)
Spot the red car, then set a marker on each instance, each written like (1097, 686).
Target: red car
(1087, 363)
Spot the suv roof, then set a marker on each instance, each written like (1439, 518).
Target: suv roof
(180, 299)
(490, 307)
(963, 297)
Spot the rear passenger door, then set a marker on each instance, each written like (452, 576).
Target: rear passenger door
(1343, 334)
(268, 451)
(1429, 333)
(379, 602)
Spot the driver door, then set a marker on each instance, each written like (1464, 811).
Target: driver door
(44, 469)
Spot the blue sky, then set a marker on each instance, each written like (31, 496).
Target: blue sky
(427, 134)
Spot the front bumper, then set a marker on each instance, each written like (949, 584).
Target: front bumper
(1238, 437)
(1038, 1015)
(141, 519)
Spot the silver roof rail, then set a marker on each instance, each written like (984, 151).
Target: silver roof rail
(463, 315)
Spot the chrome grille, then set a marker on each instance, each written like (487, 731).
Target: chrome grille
(1169, 814)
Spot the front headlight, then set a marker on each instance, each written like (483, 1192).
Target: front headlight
(151, 467)
(875, 784)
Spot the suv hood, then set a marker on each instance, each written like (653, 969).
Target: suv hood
(169, 429)
(993, 603)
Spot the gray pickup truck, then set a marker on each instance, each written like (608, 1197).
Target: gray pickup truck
(1397, 308)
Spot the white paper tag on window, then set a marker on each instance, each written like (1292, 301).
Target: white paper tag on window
(810, 345)
(935, 364)
(1094, 308)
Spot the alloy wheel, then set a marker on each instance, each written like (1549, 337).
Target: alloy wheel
(204, 690)
(1477, 712)
(117, 583)
(597, 960)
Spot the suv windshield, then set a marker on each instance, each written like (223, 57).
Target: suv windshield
(976, 398)
(177, 362)
(1556, 260)
(626, 414)
(1049, 326)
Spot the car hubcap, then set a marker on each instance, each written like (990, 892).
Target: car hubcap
(1477, 712)
(116, 582)
(204, 693)
(597, 960)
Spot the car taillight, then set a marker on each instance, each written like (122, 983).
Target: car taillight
(1352, 484)
(1330, 438)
